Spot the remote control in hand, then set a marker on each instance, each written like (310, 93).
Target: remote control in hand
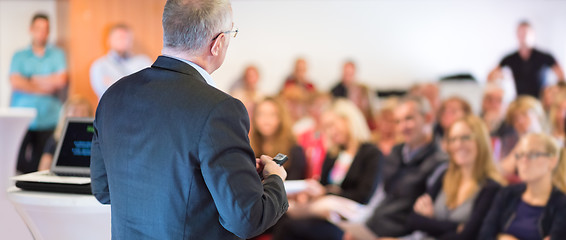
(280, 159)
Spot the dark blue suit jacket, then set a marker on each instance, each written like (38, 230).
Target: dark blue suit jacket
(171, 155)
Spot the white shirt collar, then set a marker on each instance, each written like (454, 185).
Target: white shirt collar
(202, 72)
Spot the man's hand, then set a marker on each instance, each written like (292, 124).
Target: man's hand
(315, 189)
(348, 236)
(424, 206)
(268, 167)
(51, 82)
(45, 85)
(495, 74)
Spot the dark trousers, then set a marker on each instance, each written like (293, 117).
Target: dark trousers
(308, 229)
(31, 150)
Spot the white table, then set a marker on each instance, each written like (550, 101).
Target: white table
(61, 216)
(13, 125)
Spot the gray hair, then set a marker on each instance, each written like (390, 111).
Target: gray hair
(422, 103)
(189, 25)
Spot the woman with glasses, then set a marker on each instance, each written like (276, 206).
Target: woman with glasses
(535, 209)
(457, 205)
(526, 115)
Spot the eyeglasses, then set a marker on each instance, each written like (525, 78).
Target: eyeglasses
(531, 155)
(463, 138)
(233, 33)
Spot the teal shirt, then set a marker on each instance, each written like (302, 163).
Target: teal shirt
(27, 64)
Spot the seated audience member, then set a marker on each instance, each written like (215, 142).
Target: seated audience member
(549, 94)
(271, 134)
(456, 205)
(492, 108)
(526, 115)
(76, 106)
(557, 118)
(119, 61)
(342, 89)
(245, 89)
(451, 109)
(351, 170)
(429, 91)
(385, 136)
(312, 139)
(535, 209)
(362, 96)
(351, 166)
(410, 170)
(299, 78)
(296, 100)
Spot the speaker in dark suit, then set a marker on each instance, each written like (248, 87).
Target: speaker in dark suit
(171, 153)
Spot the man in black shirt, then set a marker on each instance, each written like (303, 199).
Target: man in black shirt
(528, 64)
(347, 81)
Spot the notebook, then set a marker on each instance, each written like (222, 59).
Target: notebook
(70, 170)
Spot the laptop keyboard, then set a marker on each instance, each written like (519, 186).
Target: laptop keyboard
(73, 174)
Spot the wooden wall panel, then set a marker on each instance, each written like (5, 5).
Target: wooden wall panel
(88, 25)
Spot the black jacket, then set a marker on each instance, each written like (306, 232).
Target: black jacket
(552, 222)
(403, 184)
(444, 230)
(363, 176)
(171, 154)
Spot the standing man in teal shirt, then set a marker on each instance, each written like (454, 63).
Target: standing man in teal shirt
(37, 74)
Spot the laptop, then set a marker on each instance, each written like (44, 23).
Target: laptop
(70, 170)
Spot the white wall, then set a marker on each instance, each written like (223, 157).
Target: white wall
(394, 42)
(15, 16)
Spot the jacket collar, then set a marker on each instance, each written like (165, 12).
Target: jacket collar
(175, 65)
(424, 152)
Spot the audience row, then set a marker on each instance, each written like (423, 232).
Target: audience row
(429, 185)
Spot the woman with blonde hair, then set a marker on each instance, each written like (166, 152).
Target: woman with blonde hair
(557, 119)
(350, 170)
(362, 96)
(76, 106)
(530, 108)
(535, 209)
(456, 205)
(272, 134)
(526, 115)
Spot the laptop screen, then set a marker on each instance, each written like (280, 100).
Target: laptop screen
(74, 150)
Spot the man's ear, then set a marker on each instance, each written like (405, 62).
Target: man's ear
(217, 45)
